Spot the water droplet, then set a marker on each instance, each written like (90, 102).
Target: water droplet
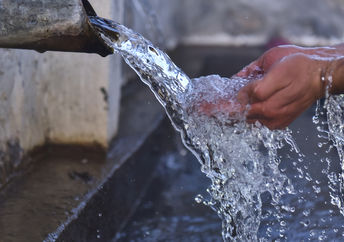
(316, 189)
(322, 237)
(315, 119)
(199, 198)
(306, 212)
(305, 223)
(312, 233)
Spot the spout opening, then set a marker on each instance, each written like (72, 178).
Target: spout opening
(88, 8)
(50, 26)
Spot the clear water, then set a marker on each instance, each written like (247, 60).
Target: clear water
(332, 136)
(249, 188)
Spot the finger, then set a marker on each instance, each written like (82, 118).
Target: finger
(276, 54)
(266, 122)
(270, 124)
(270, 109)
(277, 117)
(288, 99)
(273, 124)
(258, 111)
(270, 84)
(249, 70)
(245, 93)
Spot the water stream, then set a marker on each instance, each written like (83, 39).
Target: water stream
(249, 190)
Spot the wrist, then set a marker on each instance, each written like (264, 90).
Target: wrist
(335, 75)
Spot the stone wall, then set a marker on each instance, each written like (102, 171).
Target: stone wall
(57, 97)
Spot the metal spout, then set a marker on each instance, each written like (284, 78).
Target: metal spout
(50, 25)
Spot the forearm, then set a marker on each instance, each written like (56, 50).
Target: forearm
(333, 66)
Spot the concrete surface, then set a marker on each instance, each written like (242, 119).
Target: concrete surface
(141, 130)
(57, 97)
(61, 190)
(35, 20)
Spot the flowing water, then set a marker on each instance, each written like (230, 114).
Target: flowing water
(332, 134)
(249, 190)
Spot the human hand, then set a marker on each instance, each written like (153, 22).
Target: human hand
(215, 96)
(286, 80)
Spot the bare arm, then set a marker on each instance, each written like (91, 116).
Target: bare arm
(289, 79)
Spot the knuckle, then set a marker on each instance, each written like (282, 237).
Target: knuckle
(269, 112)
(271, 126)
(274, 125)
(284, 111)
(258, 93)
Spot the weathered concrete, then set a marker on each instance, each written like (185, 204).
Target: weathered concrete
(49, 25)
(22, 21)
(57, 97)
(64, 179)
(109, 208)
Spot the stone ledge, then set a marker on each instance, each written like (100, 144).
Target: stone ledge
(63, 179)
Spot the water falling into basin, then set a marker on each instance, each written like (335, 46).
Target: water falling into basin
(241, 160)
(332, 134)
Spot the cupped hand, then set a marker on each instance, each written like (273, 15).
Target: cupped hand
(285, 82)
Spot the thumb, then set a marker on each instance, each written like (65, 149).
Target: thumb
(244, 96)
(251, 70)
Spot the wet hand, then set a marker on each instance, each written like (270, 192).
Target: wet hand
(285, 82)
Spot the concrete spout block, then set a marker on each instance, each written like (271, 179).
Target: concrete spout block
(49, 25)
(53, 97)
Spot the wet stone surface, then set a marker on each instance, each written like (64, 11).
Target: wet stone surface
(62, 180)
(34, 204)
(168, 211)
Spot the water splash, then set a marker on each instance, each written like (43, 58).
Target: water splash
(241, 160)
(153, 66)
(332, 131)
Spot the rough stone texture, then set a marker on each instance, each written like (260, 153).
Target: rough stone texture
(49, 25)
(37, 19)
(60, 97)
